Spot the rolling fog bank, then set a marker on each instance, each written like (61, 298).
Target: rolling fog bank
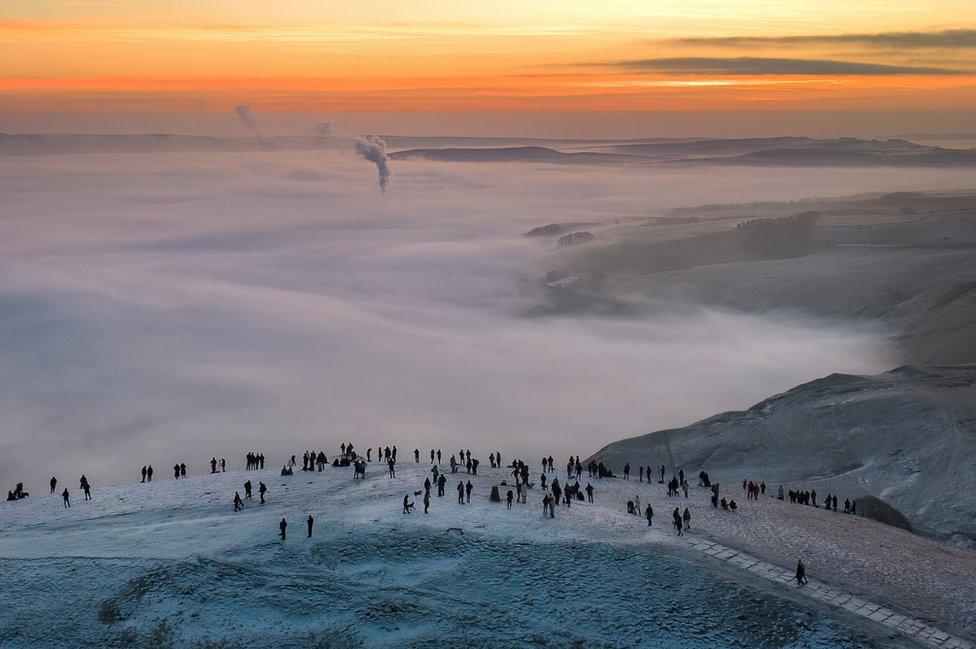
(167, 307)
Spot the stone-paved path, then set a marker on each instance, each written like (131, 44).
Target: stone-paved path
(910, 627)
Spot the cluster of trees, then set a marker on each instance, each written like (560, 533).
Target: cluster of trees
(781, 236)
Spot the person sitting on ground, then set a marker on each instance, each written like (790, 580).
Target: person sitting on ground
(732, 505)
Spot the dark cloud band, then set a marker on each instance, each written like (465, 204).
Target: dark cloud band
(774, 66)
(945, 39)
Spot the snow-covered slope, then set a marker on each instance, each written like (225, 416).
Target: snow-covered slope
(171, 564)
(907, 436)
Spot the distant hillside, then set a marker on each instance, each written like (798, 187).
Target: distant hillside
(787, 151)
(907, 437)
(510, 154)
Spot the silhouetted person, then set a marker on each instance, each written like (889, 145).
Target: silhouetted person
(238, 503)
(801, 573)
(460, 490)
(213, 465)
(407, 505)
(309, 522)
(66, 497)
(182, 470)
(143, 476)
(391, 463)
(467, 490)
(283, 527)
(54, 484)
(176, 471)
(262, 489)
(686, 517)
(426, 502)
(149, 473)
(509, 498)
(247, 490)
(87, 490)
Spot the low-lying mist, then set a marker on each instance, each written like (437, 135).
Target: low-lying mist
(158, 309)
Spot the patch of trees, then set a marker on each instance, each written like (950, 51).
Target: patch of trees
(780, 236)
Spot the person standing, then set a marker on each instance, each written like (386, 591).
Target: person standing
(54, 484)
(66, 497)
(686, 517)
(801, 573)
(649, 513)
(143, 476)
(309, 522)
(238, 503)
(262, 489)
(282, 529)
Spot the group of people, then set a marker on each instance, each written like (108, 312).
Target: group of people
(18, 492)
(804, 497)
(253, 461)
(312, 461)
(214, 463)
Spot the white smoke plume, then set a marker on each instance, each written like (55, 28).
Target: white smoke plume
(243, 113)
(373, 149)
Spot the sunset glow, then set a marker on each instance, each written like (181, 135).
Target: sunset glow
(293, 56)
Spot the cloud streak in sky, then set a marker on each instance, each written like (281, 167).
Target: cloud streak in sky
(945, 39)
(750, 65)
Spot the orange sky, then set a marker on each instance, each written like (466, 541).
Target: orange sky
(132, 56)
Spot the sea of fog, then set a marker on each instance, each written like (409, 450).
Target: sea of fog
(165, 308)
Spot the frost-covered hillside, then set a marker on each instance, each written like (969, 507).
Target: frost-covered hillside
(171, 564)
(907, 436)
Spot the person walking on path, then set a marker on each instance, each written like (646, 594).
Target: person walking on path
(801, 573)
